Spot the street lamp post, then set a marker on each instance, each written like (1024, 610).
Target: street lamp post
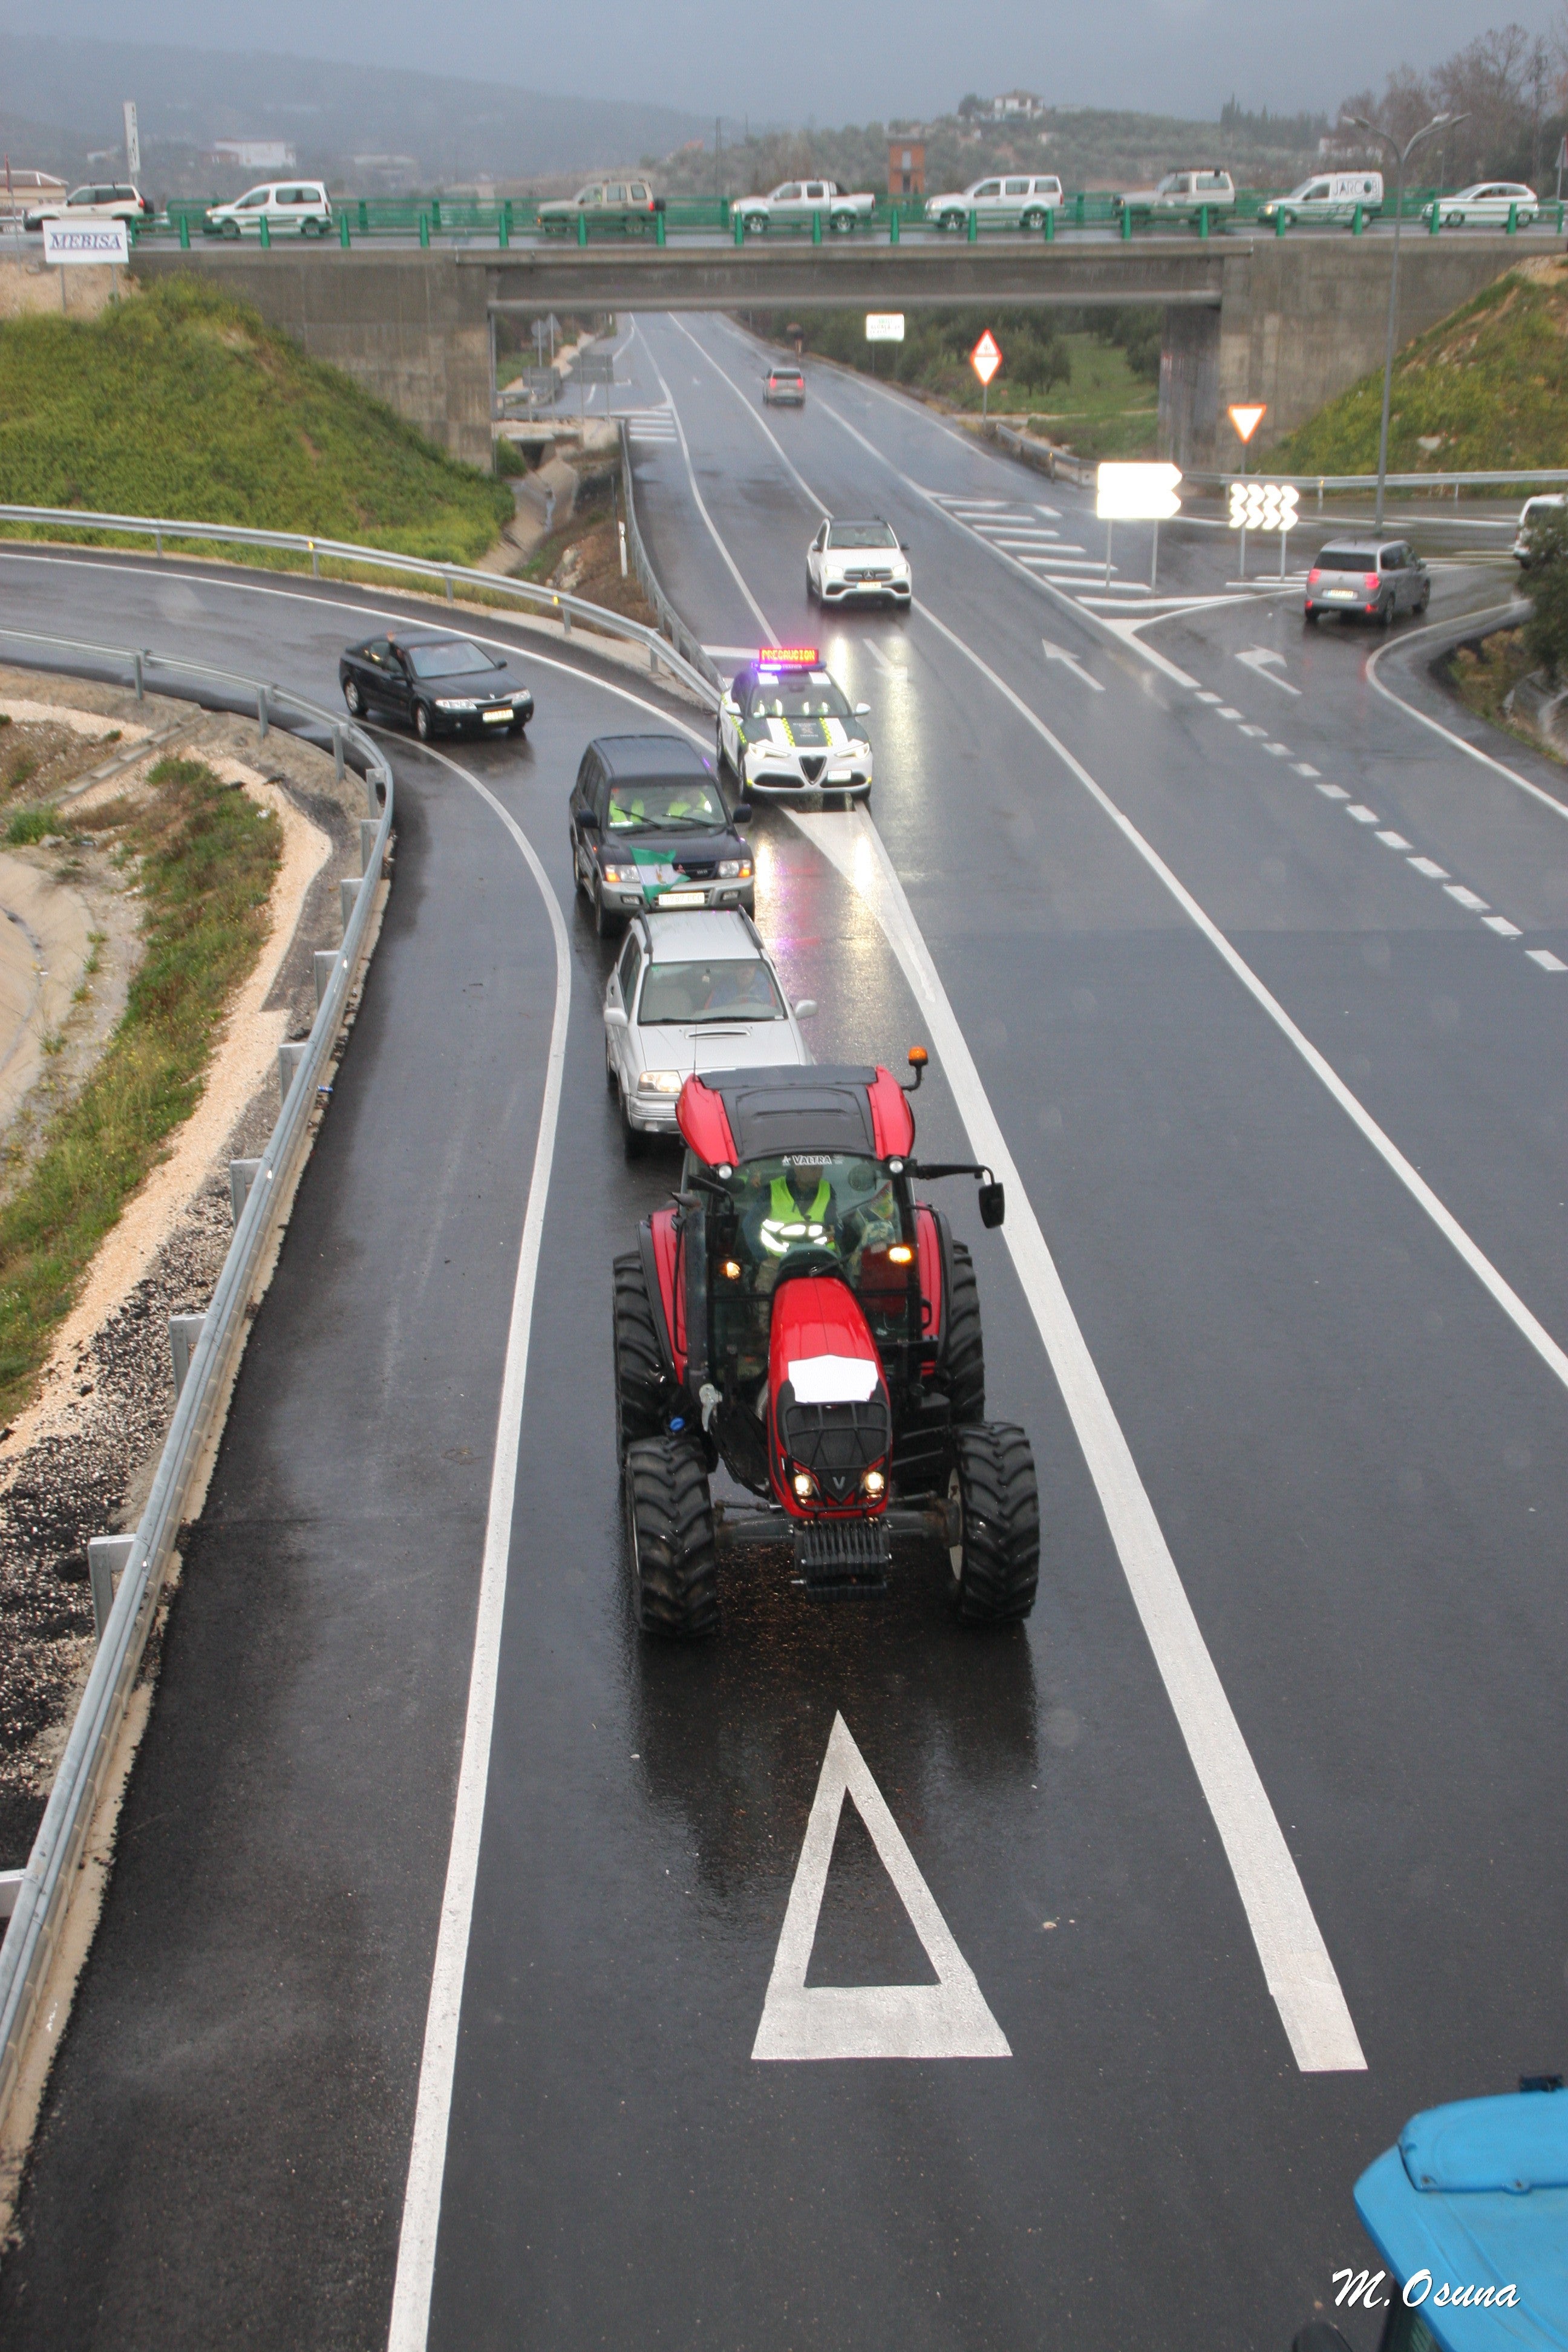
(1400, 157)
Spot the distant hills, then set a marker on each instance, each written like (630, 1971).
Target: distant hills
(60, 103)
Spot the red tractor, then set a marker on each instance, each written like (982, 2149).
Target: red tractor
(799, 1316)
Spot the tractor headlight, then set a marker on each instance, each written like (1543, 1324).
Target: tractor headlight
(874, 1483)
(805, 1486)
(659, 1082)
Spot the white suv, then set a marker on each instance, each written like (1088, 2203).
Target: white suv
(290, 208)
(1016, 200)
(692, 993)
(93, 204)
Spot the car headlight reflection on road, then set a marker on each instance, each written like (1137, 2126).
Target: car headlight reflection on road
(659, 1082)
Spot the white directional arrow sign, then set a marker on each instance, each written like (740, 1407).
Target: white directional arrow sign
(946, 2020)
(1061, 653)
(1263, 659)
(1136, 493)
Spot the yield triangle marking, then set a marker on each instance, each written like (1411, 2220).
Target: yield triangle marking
(946, 2020)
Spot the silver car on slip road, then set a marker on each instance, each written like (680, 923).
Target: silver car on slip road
(1377, 579)
(692, 993)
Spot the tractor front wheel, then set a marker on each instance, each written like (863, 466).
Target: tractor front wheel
(964, 1352)
(670, 1535)
(994, 1506)
(642, 1383)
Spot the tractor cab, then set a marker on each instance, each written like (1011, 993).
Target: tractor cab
(801, 1317)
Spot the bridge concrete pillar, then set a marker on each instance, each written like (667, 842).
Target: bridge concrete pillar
(1189, 386)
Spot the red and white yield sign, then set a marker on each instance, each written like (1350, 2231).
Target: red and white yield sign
(986, 357)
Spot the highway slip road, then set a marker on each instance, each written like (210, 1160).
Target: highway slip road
(1241, 1837)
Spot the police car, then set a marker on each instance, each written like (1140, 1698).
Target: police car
(785, 726)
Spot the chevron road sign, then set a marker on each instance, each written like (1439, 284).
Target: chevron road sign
(1263, 506)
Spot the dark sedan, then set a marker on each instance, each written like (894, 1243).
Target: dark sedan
(441, 686)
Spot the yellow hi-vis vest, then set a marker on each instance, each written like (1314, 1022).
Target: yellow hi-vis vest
(787, 1227)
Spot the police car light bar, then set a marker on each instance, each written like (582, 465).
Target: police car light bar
(788, 656)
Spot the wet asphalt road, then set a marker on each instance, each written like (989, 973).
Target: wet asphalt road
(1343, 1439)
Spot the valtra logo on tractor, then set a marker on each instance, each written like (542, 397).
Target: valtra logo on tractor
(800, 1316)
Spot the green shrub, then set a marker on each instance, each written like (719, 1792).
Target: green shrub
(32, 825)
(1546, 631)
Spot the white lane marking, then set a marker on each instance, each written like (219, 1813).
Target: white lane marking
(1363, 815)
(1472, 751)
(1334, 791)
(1465, 897)
(888, 668)
(1278, 750)
(427, 2156)
(1305, 768)
(1054, 512)
(1253, 732)
(1127, 631)
(1503, 927)
(1296, 1964)
(1528, 1326)
(947, 2020)
(770, 635)
(1430, 868)
(1228, 710)
(1391, 840)
(1546, 960)
(1204, 695)
(1071, 661)
(760, 422)
(1264, 661)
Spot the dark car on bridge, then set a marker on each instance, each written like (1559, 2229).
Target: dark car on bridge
(649, 827)
(441, 686)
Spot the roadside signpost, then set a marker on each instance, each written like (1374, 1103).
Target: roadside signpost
(1263, 506)
(883, 327)
(133, 143)
(71, 244)
(1144, 493)
(1246, 416)
(985, 359)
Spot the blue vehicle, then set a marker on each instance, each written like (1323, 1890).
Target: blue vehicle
(1469, 2214)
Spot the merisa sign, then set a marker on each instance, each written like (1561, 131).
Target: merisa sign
(103, 241)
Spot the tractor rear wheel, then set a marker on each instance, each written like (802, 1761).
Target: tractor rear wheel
(642, 1383)
(670, 1534)
(995, 1560)
(963, 1356)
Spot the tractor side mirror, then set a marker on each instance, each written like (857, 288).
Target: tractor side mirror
(614, 1018)
(992, 1202)
(806, 1008)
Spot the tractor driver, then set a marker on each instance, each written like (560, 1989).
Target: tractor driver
(794, 1210)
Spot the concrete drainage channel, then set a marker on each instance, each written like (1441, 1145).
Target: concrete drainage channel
(206, 1349)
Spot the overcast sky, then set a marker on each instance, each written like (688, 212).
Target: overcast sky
(819, 59)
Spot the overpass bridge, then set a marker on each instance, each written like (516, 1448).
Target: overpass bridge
(1290, 321)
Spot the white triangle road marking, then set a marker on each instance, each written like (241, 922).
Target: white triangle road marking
(946, 2020)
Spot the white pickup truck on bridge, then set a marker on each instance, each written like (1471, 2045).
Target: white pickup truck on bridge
(792, 204)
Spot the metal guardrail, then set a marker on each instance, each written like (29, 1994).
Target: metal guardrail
(43, 1894)
(1517, 479)
(1059, 464)
(689, 647)
(555, 604)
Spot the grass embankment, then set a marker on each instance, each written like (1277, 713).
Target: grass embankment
(1486, 388)
(205, 856)
(1086, 379)
(184, 401)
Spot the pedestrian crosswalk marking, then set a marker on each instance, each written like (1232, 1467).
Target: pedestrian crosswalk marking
(947, 2020)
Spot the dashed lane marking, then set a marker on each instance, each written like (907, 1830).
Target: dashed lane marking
(1430, 868)
(1391, 840)
(1503, 928)
(1463, 897)
(947, 2020)
(1546, 960)
(1362, 813)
